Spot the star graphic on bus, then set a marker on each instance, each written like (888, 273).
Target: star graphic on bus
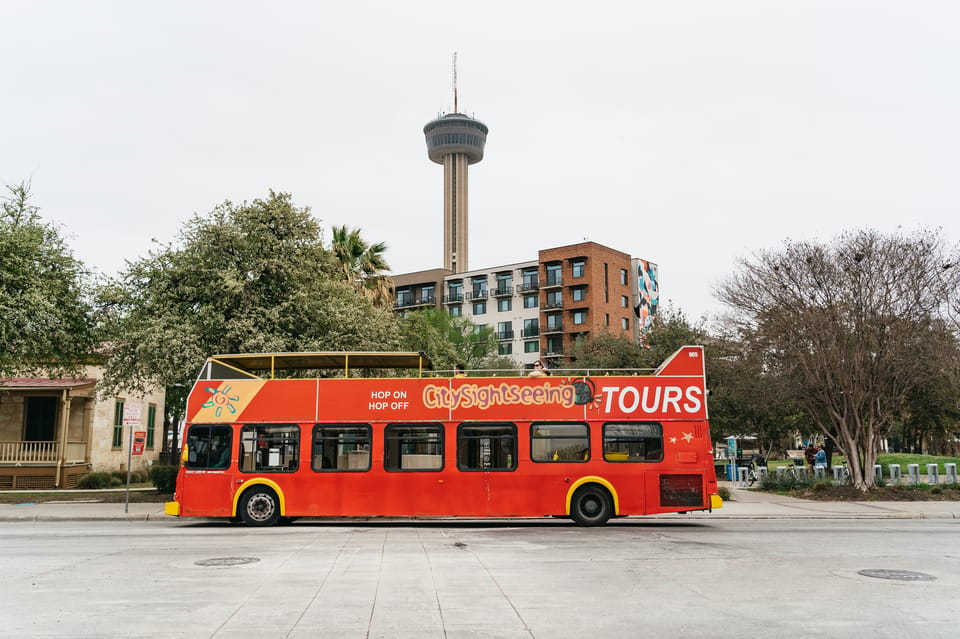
(687, 437)
(221, 398)
(673, 440)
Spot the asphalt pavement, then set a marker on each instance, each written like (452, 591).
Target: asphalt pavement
(745, 504)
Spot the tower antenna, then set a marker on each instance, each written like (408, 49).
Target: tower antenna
(455, 109)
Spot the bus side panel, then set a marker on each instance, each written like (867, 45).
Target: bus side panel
(206, 493)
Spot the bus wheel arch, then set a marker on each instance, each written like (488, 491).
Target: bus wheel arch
(591, 504)
(259, 505)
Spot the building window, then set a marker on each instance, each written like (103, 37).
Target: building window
(505, 348)
(404, 297)
(486, 447)
(455, 292)
(504, 283)
(579, 317)
(413, 447)
(633, 442)
(427, 294)
(624, 301)
(531, 347)
(504, 304)
(579, 267)
(531, 280)
(456, 310)
(625, 323)
(479, 308)
(623, 276)
(555, 345)
(151, 424)
(531, 327)
(553, 442)
(606, 319)
(505, 330)
(272, 448)
(579, 293)
(530, 301)
(555, 322)
(479, 287)
(553, 275)
(341, 447)
(554, 299)
(118, 424)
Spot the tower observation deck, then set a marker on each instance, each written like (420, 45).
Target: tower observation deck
(456, 141)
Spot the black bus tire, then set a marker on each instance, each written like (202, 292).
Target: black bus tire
(259, 506)
(591, 505)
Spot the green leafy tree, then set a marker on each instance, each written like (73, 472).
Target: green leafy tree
(253, 277)
(448, 340)
(45, 313)
(852, 326)
(363, 264)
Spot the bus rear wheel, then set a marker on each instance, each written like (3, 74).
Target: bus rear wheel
(259, 506)
(591, 506)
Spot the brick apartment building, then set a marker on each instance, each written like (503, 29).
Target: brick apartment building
(539, 308)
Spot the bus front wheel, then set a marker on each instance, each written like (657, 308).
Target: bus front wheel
(259, 506)
(591, 506)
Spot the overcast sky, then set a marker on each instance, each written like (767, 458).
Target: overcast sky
(686, 133)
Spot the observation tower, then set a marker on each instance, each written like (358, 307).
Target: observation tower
(456, 141)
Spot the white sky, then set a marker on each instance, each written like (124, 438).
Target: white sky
(686, 133)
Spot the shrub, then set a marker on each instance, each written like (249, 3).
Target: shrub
(164, 478)
(725, 493)
(97, 481)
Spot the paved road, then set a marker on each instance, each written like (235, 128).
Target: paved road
(741, 574)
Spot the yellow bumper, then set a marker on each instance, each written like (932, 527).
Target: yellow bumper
(716, 501)
(172, 508)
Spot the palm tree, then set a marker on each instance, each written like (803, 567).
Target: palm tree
(363, 264)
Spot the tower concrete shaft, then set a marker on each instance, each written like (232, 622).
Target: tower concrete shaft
(455, 141)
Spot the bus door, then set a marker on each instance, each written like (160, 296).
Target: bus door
(211, 454)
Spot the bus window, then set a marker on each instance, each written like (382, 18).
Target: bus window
(209, 447)
(632, 442)
(413, 447)
(343, 447)
(559, 442)
(486, 447)
(270, 448)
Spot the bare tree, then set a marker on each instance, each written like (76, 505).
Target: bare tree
(853, 326)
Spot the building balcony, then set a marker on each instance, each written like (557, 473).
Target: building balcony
(453, 298)
(556, 328)
(554, 304)
(477, 295)
(553, 282)
(505, 335)
(531, 332)
(528, 288)
(503, 292)
(415, 302)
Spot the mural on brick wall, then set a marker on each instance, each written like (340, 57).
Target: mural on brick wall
(648, 297)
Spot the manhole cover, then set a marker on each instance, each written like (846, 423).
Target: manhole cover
(899, 575)
(227, 561)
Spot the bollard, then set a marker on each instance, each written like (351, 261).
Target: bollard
(914, 471)
(877, 473)
(742, 474)
(933, 474)
(950, 470)
(781, 472)
(762, 473)
(800, 472)
(819, 472)
(838, 476)
(895, 473)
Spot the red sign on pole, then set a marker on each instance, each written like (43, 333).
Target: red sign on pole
(139, 439)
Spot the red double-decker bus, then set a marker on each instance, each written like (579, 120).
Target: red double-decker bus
(274, 437)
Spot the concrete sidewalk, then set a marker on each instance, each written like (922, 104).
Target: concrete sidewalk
(746, 504)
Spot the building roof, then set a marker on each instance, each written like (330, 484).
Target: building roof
(44, 383)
